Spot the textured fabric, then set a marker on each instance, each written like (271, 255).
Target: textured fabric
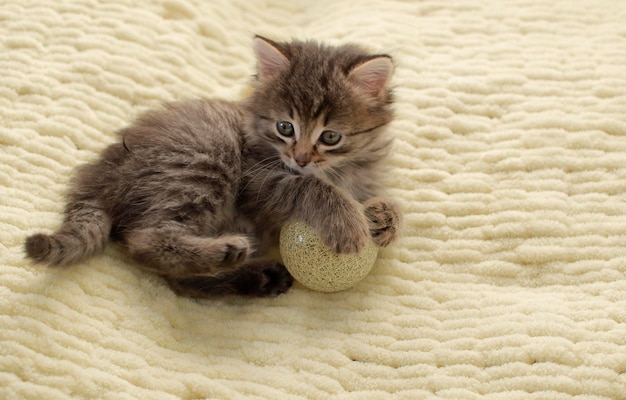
(509, 164)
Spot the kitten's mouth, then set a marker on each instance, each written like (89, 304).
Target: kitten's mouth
(292, 170)
(309, 169)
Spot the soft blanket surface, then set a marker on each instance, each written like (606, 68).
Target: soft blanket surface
(509, 281)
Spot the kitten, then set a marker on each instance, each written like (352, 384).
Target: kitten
(197, 191)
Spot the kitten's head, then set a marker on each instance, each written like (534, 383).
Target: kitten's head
(321, 108)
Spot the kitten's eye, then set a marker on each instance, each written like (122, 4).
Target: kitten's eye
(330, 138)
(285, 128)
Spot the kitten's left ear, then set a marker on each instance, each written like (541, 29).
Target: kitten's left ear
(270, 60)
(372, 75)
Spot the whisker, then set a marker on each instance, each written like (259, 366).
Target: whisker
(258, 167)
(259, 170)
(266, 176)
(332, 174)
(259, 163)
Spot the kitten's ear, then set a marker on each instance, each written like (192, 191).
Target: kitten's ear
(270, 60)
(372, 76)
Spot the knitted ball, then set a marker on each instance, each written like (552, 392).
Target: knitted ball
(316, 266)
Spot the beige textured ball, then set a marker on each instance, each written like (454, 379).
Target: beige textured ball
(316, 266)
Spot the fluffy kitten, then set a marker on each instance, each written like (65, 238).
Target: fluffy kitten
(198, 191)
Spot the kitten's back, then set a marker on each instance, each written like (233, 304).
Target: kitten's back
(176, 165)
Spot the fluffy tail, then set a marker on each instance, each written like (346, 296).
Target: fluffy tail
(84, 233)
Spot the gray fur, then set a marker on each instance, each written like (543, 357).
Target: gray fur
(197, 191)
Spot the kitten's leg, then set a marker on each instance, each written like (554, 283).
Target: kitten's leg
(175, 253)
(257, 277)
(384, 220)
(331, 211)
(84, 233)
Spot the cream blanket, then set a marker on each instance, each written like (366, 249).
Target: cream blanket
(510, 164)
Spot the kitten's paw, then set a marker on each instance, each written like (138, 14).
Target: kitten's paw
(347, 235)
(384, 220)
(260, 278)
(275, 280)
(233, 249)
(353, 241)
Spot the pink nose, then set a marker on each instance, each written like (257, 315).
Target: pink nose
(302, 159)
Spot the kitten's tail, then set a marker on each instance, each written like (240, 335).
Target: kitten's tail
(84, 233)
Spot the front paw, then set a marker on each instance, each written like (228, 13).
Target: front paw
(348, 234)
(384, 221)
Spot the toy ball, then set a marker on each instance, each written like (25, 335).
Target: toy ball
(312, 263)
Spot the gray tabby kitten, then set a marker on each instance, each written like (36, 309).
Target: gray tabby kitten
(197, 191)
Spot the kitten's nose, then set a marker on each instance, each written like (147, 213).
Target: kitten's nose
(302, 159)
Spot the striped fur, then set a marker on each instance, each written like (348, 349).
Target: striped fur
(197, 191)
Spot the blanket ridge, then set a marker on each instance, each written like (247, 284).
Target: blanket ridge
(509, 163)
